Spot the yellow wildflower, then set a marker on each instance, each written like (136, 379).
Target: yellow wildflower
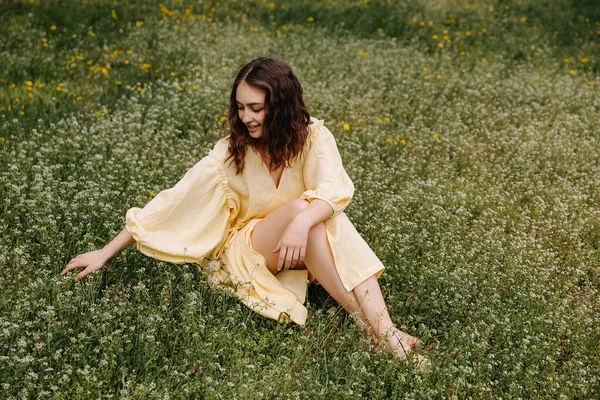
(566, 59)
(440, 45)
(436, 136)
(389, 141)
(346, 127)
(113, 14)
(53, 28)
(310, 19)
(592, 82)
(572, 72)
(584, 60)
(152, 194)
(489, 75)
(165, 10)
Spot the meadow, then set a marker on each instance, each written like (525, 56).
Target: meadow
(471, 130)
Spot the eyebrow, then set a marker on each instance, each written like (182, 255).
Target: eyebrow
(250, 104)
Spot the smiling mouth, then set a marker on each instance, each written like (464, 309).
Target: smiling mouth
(252, 127)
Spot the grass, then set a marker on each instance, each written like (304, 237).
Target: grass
(470, 130)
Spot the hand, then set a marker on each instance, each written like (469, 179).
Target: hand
(92, 261)
(292, 245)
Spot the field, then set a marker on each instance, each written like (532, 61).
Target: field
(471, 130)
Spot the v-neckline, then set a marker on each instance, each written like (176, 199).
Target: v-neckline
(265, 167)
(277, 185)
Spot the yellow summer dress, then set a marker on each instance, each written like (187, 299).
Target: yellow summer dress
(211, 211)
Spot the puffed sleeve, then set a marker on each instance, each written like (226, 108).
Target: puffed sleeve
(189, 221)
(324, 175)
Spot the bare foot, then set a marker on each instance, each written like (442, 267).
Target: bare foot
(403, 346)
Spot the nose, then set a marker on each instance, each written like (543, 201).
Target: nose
(246, 117)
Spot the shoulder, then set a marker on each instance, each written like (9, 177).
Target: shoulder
(318, 134)
(221, 150)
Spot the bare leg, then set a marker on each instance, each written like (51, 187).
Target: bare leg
(373, 307)
(318, 258)
(365, 303)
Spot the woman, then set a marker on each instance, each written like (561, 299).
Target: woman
(264, 210)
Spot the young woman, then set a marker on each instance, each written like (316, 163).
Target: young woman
(263, 213)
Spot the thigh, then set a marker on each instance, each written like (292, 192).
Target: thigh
(268, 231)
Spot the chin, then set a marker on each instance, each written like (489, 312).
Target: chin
(255, 135)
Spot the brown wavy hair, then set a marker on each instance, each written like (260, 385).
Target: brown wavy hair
(285, 125)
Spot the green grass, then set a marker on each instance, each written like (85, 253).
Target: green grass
(475, 163)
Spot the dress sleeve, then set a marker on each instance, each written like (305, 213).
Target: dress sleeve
(324, 175)
(189, 221)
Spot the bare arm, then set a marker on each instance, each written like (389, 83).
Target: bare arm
(292, 245)
(94, 260)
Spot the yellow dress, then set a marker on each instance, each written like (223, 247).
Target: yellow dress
(210, 213)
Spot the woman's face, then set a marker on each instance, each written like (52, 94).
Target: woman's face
(251, 108)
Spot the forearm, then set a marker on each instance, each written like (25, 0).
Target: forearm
(122, 240)
(317, 211)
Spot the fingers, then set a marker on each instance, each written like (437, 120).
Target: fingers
(281, 259)
(78, 262)
(277, 248)
(290, 258)
(74, 263)
(83, 273)
(302, 254)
